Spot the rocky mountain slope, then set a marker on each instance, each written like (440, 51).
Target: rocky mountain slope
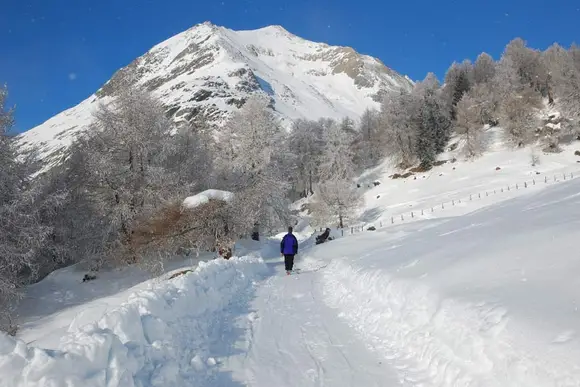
(207, 71)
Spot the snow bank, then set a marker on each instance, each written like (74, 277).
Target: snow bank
(206, 196)
(161, 337)
(486, 299)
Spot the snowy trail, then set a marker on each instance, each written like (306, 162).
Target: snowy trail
(294, 339)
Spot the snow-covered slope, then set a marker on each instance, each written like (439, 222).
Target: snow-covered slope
(486, 299)
(207, 71)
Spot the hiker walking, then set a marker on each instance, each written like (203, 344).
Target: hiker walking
(289, 248)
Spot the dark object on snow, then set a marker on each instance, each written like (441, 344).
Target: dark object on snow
(358, 186)
(375, 183)
(372, 228)
(324, 237)
(225, 252)
(89, 277)
(399, 176)
(497, 168)
(256, 232)
(378, 196)
(577, 153)
(180, 273)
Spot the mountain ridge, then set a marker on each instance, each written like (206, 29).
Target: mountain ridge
(207, 71)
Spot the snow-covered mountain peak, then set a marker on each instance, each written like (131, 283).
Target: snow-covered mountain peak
(208, 71)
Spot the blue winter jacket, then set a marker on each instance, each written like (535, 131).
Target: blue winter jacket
(289, 245)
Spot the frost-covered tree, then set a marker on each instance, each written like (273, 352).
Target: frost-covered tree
(527, 65)
(575, 53)
(257, 144)
(370, 146)
(21, 234)
(397, 120)
(305, 143)
(458, 81)
(469, 127)
(336, 201)
(483, 69)
(337, 155)
(336, 193)
(129, 176)
(484, 103)
(564, 81)
(519, 119)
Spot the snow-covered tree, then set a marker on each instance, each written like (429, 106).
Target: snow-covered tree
(127, 154)
(469, 127)
(527, 65)
(397, 119)
(337, 154)
(305, 143)
(519, 119)
(336, 201)
(483, 69)
(370, 146)
(575, 53)
(21, 234)
(564, 81)
(336, 193)
(458, 81)
(433, 122)
(258, 144)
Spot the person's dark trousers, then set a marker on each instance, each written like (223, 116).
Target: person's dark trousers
(288, 261)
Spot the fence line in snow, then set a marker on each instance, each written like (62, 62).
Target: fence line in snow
(405, 216)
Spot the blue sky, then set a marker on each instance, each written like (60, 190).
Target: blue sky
(56, 53)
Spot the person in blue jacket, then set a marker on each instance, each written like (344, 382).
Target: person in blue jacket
(289, 248)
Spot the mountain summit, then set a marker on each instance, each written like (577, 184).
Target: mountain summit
(207, 71)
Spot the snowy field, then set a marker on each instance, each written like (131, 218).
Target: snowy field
(482, 293)
(454, 183)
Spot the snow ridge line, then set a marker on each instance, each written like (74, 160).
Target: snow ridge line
(433, 341)
(159, 337)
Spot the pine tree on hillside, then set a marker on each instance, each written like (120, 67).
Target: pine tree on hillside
(434, 123)
(458, 80)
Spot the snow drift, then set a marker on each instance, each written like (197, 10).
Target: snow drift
(160, 337)
(487, 299)
(205, 196)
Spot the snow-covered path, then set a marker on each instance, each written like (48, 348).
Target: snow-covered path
(294, 339)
